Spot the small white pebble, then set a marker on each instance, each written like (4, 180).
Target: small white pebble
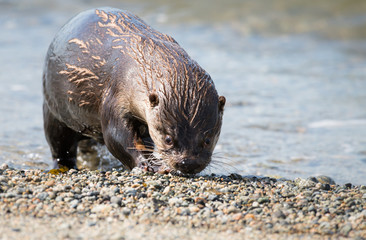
(4, 166)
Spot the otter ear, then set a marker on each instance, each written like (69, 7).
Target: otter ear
(154, 99)
(222, 101)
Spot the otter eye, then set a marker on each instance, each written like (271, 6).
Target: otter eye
(168, 140)
(207, 141)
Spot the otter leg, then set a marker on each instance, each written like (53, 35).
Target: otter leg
(120, 138)
(62, 140)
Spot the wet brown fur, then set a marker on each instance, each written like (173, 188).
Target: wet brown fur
(111, 77)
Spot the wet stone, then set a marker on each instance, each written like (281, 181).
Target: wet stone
(325, 180)
(126, 211)
(305, 183)
(325, 186)
(348, 185)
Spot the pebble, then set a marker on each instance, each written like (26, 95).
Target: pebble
(305, 183)
(348, 185)
(130, 192)
(263, 200)
(126, 211)
(229, 204)
(345, 230)
(116, 200)
(74, 203)
(325, 180)
(279, 214)
(4, 166)
(42, 196)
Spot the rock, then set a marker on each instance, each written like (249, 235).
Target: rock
(255, 204)
(126, 211)
(175, 201)
(325, 187)
(249, 216)
(166, 190)
(116, 200)
(279, 214)
(237, 216)
(194, 209)
(74, 203)
(213, 197)
(235, 176)
(42, 196)
(325, 227)
(59, 199)
(348, 185)
(305, 183)
(346, 229)
(263, 200)
(232, 209)
(325, 180)
(183, 211)
(72, 171)
(3, 179)
(224, 190)
(4, 166)
(130, 192)
(137, 171)
(50, 183)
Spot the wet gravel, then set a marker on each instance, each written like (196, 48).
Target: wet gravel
(126, 205)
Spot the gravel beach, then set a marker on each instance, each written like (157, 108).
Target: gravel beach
(136, 205)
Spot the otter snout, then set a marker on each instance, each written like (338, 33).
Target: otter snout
(188, 165)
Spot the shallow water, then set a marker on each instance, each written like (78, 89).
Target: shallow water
(293, 73)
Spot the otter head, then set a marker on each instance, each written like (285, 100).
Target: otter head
(185, 127)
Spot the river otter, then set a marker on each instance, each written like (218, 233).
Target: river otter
(110, 77)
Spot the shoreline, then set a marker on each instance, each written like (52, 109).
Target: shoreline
(125, 205)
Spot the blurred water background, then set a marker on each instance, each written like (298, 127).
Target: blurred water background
(293, 73)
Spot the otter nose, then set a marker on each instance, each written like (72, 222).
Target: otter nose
(188, 166)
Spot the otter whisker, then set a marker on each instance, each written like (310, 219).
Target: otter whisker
(224, 167)
(218, 155)
(138, 149)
